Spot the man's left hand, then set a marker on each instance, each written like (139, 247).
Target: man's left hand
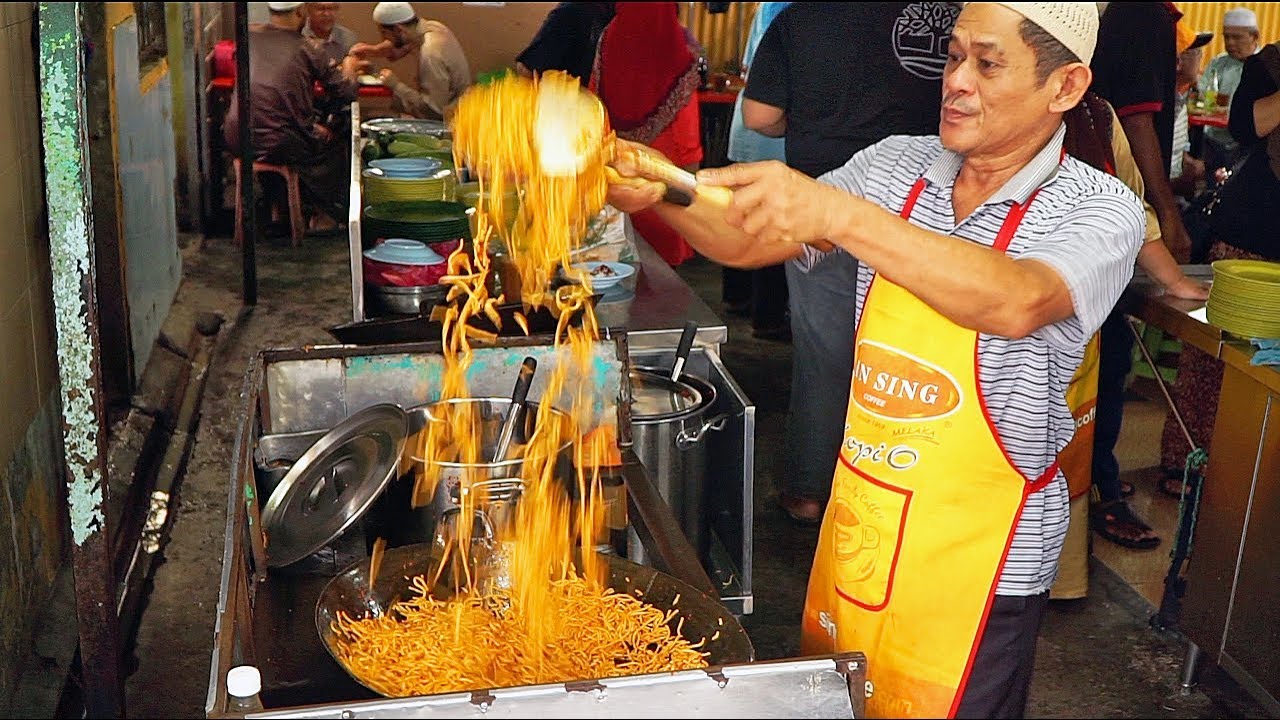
(386, 76)
(775, 203)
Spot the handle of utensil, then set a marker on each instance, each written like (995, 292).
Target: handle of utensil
(682, 350)
(682, 185)
(527, 368)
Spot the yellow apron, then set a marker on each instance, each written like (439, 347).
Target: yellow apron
(923, 507)
(1076, 458)
(1076, 461)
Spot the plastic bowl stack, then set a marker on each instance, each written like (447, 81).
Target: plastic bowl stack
(1245, 298)
(390, 179)
(402, 277)
(424, 221)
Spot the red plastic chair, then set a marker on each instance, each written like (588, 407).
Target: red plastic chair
(297, 227)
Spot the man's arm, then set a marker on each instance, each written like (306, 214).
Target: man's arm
(764, 119)
(1154, 258)
(1141, 131)
(774, 207)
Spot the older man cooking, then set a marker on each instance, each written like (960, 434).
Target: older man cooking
(989, 257)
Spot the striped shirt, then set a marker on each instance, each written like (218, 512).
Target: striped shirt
(1088, 227)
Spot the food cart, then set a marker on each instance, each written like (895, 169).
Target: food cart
(297, 407)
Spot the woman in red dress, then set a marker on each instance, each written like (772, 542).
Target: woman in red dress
(646, 74)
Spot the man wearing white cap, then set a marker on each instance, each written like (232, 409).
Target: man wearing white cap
(288, 128)
(1220, 78)
(989, 257)
(443, 71)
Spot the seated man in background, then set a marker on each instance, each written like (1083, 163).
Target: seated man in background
(287, 128)
(567, 40)
(334, 41)
(1242, 39)
(323, 30)
(443, 71)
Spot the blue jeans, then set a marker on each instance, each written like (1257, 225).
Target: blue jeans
(822, 306)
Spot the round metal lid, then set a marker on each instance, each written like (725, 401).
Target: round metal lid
(657, 397)
(333, 484)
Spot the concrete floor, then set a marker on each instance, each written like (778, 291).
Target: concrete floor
(1097, 657)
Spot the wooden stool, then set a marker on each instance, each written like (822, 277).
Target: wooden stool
(297, 226)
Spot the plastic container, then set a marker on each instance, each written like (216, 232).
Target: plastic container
(244, 685)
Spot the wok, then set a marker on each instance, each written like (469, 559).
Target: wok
(703, 616)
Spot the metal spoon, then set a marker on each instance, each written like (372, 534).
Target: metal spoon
(514, 415)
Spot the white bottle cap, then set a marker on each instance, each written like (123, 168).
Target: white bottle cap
(244, 681)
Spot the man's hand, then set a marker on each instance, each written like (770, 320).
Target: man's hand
(322, 132)
(1188, 289)
(386, 76)
(628, 191)
(774, 203)
(1175, 237)
(353, 65)
(366, 50)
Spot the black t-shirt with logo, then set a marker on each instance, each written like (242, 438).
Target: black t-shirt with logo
(850, 74)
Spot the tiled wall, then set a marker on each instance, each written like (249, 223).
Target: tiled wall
(32, 530)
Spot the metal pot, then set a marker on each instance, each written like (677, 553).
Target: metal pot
(407, 524)
(413, 300)
(668, 423)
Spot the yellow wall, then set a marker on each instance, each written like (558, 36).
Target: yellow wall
(723, 35)
(1208, 16)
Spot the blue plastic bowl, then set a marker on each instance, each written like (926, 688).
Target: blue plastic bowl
(407, 167)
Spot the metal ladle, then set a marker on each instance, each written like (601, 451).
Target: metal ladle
(571, 129)
(682, 350)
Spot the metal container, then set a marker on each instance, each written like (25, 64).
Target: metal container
(669, 419)
(413, 300)
(406, 524)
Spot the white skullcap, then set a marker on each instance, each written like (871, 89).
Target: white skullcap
(1240, 17)
(393, 13)
(283, 7)
(1074, 24)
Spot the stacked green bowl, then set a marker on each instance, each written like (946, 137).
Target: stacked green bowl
(427, 221)
(379, 188)
(1245, 298)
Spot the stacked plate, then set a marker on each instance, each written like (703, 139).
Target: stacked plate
(1245, 298)
(435, 128)
(380, 187)
(407, 168)
(427, 221)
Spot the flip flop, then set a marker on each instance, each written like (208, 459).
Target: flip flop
(1107, 516)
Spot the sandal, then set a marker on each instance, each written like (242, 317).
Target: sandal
(1116, 522)
(1171, 484)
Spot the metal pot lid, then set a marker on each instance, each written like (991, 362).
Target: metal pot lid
(655, 396)
(333, 484)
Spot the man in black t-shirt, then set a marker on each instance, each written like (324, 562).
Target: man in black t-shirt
(834, 78)
(567, 40)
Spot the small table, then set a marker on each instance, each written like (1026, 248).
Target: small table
(1218, 120)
